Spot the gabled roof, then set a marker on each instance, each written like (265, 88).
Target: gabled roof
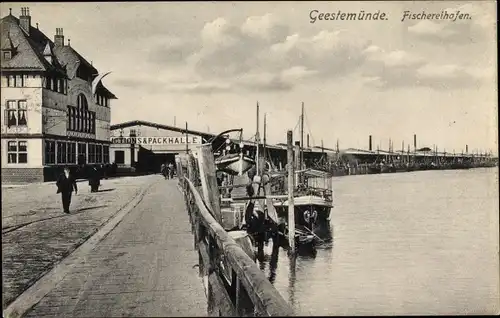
(72, 59)
(26, 57)
(31, 49)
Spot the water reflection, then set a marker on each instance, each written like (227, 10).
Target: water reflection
(273, 263)
(324, 233)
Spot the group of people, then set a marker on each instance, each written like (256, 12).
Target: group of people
(66, 183)
(167, 170)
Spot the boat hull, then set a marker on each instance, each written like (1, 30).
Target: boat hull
(234, 165)
(305, 204)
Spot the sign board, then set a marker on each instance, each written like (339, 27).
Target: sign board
(78, 134)
(156, 140)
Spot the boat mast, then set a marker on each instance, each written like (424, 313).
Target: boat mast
(257, 141)
(264, 141)
(302, 138)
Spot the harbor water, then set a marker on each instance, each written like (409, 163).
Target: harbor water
(405, 243)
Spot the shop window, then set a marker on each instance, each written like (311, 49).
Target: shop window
(105, 154)
(82, 153)
(119, 156)
(98, 154)
(92, 150)
(71, 152)
(61, 152)
(50, 152)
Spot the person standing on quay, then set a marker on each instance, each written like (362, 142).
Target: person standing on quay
(66, 183)
(170, 171)
(94, 180)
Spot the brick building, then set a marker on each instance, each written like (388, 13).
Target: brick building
(55, 108)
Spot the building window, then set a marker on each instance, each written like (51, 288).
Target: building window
(119, 156)
(105, 154)
(16, 113)
(70, 118)
(81, 120)
(82, 153)
(81, 102)
(17, 151)
(98, 152)
(19, 81)
(15, 80)
(61, 152)
(71, 151)
(50, 152)
(92, 123)
(92, 153)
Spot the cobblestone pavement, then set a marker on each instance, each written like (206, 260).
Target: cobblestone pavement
(146, 266)
(36, 234)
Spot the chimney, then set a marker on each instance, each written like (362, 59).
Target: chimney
(370, 142)
(59, 37)
(415, 141)
(25, 20)
(307, 140)
(466, 148)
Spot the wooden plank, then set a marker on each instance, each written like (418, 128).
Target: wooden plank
(223, 302)
(208, 178)
(203, 250)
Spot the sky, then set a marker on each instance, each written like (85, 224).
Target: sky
(209, 63)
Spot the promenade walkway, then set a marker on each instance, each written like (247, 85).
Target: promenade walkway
(146, 266)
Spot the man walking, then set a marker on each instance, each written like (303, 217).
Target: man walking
(170, 171)
(65, 185)
(94, 180)
(163, 170)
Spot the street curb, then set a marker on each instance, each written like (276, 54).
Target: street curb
(35, 293)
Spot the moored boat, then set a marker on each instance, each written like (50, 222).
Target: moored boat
(313, 199)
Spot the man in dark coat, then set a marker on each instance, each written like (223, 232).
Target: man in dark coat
(66, 183)
(94, 180)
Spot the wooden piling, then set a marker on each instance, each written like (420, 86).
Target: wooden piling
(291, 177)
(211, 195)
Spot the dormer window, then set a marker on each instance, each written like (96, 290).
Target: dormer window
(8, 48)
(6, 55)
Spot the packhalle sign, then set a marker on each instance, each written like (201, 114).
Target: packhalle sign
(156, 140)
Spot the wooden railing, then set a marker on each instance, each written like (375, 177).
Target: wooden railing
(235, 284)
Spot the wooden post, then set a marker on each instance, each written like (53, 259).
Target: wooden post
(291, 207)
(206, 165)
(191, 168)
(179, 171)
(297, 162)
